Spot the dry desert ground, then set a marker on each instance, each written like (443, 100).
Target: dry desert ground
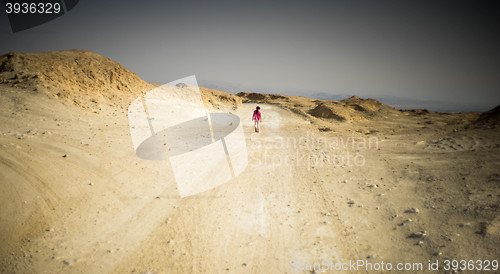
(326, 182)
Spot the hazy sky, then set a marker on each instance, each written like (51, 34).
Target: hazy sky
(437, 50)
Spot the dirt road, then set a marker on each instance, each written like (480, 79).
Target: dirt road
(78, 200)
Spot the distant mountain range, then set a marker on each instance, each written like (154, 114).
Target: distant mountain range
(410, 103)
(391, 100)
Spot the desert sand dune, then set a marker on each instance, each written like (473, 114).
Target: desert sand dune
(326, 180)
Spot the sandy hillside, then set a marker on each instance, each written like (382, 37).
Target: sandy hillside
(326, 180)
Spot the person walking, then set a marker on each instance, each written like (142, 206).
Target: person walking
(257, 118)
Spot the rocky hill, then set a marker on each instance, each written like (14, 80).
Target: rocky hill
(84, 78)
(489, 119)
(349, 110)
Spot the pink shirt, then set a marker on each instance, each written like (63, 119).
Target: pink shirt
(256, 114)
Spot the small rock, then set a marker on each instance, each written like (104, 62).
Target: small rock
(372, 186)
(465, 225)
(418, 235)
(412, 210)
(91, 184)
(50, 229)
(69, 261)
(351, 202)
(406, 222)
(65, 156)
(437, 253)
(420, 243)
